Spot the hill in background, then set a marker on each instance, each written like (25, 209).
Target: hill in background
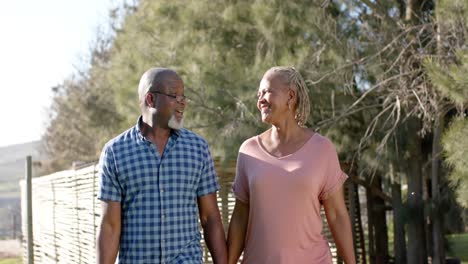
(12, 170)
(12, 166)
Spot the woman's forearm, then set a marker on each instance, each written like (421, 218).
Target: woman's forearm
(340, 227)
(237, 232)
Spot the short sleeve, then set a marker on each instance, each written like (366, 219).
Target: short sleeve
(240, 187)
(109, 186)
(208, 180)
(334, 176)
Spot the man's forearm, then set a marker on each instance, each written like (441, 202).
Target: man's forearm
(215, 239)
(107, 245)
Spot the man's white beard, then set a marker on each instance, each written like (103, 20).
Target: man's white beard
(174, 124)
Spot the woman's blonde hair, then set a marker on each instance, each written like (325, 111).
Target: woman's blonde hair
(294, 80)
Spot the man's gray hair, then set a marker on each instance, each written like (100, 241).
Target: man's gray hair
(152, 77)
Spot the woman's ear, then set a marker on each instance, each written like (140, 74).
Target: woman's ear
(292, 98)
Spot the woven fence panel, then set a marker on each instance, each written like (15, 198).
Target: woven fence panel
(64, 216)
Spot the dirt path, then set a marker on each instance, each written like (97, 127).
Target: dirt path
(10, 248)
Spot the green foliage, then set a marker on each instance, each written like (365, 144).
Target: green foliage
(455, 144)
(80, 118)
(221, 49)
(82, 115)
(451, 80)
(453, 12)
(449, 75)
(458, 243)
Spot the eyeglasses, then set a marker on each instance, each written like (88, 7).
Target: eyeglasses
(178, 98)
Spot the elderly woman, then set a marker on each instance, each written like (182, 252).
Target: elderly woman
(283, 177)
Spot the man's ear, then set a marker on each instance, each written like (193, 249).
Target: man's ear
(150, 100)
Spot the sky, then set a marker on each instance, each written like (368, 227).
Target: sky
(41, 44)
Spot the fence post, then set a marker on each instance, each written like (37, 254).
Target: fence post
(30, 243)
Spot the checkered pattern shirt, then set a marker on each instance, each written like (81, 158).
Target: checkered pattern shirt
(158, 194)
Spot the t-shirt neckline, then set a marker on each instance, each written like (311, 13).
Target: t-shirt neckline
(285, 156)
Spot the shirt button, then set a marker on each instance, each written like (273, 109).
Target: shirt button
(163, 216)
(162, 190)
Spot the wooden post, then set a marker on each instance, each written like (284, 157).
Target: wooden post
(14, 225)
(30, 243)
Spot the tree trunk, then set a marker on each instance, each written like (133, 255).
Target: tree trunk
(370, 225)
(377, 223)
(396, 166)
(437, 231)
(380, 225)
(416, 233)
(399, 242)
(417, 251)
(437, 238)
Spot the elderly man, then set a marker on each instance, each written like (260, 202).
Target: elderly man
(156, 179)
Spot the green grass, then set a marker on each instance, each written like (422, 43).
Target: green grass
(11, 261)
(458, 244)
(9, 190)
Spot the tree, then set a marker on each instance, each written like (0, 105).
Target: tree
(82, 115)
(221, 50)
(395, 39)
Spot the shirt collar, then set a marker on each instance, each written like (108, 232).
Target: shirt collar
(174, 133)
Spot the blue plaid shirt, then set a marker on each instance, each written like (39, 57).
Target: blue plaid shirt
(158, 194)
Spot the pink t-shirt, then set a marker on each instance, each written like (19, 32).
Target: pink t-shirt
(285, 226)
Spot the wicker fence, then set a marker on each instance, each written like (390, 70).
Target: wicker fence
(66, 214)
